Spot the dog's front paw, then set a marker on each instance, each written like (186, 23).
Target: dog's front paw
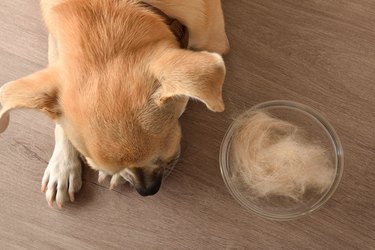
(61, 180)
(116, 179)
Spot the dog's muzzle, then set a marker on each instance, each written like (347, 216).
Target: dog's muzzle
(147, 182)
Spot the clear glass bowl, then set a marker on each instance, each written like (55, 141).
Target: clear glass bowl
(316, 129)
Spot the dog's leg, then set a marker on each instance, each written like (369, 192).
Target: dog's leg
(62, 177)
(204, 20)
(52, 49)
(46, 8)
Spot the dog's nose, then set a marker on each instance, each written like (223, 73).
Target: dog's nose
(148, 183)
(150, 190)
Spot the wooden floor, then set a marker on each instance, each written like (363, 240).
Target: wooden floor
(320, 53)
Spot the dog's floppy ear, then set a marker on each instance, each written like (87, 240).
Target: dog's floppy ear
(36, 91)
(198, 75)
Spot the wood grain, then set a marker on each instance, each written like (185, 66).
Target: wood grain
(320, 53)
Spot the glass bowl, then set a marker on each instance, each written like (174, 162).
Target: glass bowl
(316, 129)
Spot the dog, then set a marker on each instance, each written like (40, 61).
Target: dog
(117, 83)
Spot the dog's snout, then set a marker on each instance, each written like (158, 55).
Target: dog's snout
(150, 190)
(148, 182)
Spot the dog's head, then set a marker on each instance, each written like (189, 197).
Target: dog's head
(121, 112)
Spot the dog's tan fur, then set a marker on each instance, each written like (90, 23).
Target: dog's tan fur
(121, 80)
(205, 21)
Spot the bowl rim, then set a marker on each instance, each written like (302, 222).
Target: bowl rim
(330, 131)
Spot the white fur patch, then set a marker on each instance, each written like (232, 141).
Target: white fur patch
(116, 179)
(63, 175)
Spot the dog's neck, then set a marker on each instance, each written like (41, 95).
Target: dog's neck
(178, 29)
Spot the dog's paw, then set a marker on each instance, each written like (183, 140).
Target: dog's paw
(116, 179)
(61, 180)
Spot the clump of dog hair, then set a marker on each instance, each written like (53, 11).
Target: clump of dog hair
(272, 158)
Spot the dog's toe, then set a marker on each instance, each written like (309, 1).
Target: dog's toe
(102, 176)
(116, 181)
(50, 195)
(75, 184)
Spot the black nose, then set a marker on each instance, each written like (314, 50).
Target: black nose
(150, 190)
(146, 183)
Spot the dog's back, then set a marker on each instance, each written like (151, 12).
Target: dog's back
(100, 30)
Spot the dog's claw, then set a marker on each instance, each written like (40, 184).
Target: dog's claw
(71, 196)
(43, 188)
(50, 200)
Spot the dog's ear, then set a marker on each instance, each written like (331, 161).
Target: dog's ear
(198, 75)
(36, 91)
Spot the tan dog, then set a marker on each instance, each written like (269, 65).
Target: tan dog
(116, 86)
